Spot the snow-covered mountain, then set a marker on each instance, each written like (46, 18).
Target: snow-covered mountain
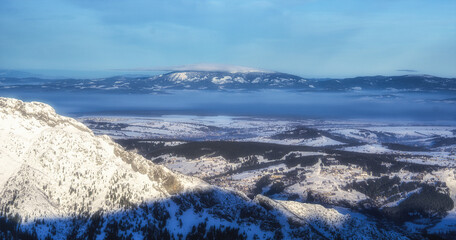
(228, 80)
(58, 180)
(54, 166)
(215, 77)
(201, 80)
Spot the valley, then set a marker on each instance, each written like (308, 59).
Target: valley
(372, 168)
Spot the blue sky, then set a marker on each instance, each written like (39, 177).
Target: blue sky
(313, 38)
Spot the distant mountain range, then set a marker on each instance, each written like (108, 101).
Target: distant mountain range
(225, 80)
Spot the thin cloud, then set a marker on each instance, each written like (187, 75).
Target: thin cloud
(407, 70)
(205, 67)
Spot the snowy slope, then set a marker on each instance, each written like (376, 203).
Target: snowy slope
(55, 166)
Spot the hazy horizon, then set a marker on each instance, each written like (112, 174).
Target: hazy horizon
(102, 73)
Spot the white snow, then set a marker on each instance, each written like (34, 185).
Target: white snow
(320, 142)
(178, 77)
(312, 142)
(223, 80)
(328, 182)
(369, 148)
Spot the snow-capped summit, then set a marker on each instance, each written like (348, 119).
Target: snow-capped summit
(53, 166)
(195, 79)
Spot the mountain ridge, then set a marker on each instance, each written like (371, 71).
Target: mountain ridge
(220, 80)
(50, 136)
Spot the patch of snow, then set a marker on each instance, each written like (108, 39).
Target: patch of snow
(223, 80)
(179, 77)
(368, 148)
